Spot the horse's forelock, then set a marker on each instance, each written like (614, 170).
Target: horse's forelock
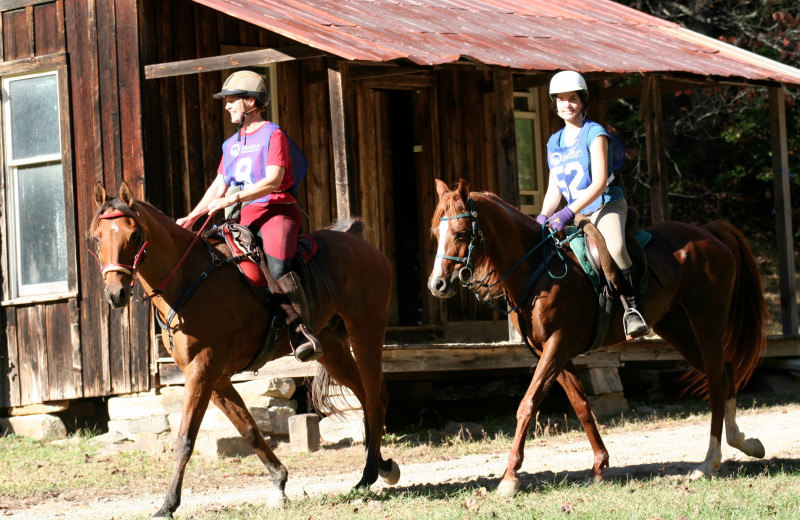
(449, 205)
(115, 204)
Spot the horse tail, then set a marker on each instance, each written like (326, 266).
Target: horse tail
(320, 387)
(745, 337)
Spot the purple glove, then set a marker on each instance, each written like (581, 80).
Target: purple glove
(541, 219)
(561, 218)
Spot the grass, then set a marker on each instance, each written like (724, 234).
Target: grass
(35, 471)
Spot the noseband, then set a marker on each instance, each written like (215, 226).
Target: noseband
(466, 272)
(129, 269)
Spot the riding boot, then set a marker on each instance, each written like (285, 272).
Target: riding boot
(305, 345)
(632, 321)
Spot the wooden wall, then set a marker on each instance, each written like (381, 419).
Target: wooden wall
(77, 347)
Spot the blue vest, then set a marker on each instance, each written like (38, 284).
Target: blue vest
(570, 166)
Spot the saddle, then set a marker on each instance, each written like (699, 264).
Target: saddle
(248, 256)
(592, 253)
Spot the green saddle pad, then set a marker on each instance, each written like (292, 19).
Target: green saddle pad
(578, 245)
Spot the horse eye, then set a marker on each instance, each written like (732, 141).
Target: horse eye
(462, 236)
(136, 236)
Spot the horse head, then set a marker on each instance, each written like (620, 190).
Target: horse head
(118, 242)
(460, 239)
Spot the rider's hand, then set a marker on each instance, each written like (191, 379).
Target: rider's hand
(561, 218)
(185, 222)
(541, 219)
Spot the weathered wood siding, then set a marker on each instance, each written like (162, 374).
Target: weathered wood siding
(77, 347)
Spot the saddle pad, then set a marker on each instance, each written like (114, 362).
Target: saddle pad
(578, 245)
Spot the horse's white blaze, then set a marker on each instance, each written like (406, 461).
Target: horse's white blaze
(736, 438)
(444, 228)
(114, 227)
(713, 458)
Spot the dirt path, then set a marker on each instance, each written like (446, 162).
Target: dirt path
(655, 449)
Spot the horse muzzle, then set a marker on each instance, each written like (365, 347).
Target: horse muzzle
(117, 293)
(441, 287)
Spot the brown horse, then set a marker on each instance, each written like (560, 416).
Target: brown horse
(219, 329)
(704, 297)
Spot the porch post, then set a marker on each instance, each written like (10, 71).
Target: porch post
(650, 111)
(783, 210)
(342, 134)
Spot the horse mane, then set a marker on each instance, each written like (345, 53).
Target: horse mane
(347, 225)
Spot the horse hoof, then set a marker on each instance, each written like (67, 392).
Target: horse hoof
(277, 500)
(508, 487)
(392, 476)
(162, 514)
(755, 448)
(698, 474)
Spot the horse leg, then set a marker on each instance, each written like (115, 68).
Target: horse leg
(543, 378)
(573, 386)
(364, 376)
(686, 336)
(196, 395)
(736, 438)
(227, 399)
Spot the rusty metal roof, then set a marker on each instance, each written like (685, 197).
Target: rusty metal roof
(582, 35)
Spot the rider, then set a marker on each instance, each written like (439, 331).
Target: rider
(578, 156)
(257, 160)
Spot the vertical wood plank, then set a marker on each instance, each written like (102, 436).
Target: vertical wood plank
(15, 34)
(339, 89)
(650, 111)
(32, 341)
(64, 380)
(11, 395)
(783, 210)
(47, 31)
(506, 135)
(320, 179)
(129, 96)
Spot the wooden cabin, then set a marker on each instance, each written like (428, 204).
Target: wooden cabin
(382, 97)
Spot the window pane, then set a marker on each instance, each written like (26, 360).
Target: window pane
(34, 116)
(42, 237)
(525, 155)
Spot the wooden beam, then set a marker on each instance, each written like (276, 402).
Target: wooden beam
(783, 211)
(47, 61)
(229, 61)
(342, 136)
(651, 112)
(506, 136)
(13, 5)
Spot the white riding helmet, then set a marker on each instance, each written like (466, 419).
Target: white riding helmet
(567, 81)
(245, 83)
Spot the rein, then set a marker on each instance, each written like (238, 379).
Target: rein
(129, 269)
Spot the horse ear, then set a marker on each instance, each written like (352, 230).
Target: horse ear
(99, 194)
(441, 188)
(125, 194)
(463, 190)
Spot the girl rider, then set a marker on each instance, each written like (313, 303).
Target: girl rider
(257, 158)
(578, 156)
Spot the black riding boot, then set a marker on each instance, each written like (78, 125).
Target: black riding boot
(305, 345)
(632, 321)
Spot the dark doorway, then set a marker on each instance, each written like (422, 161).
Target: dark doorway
(406, 207)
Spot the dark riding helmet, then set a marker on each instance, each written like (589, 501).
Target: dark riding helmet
(245, 83)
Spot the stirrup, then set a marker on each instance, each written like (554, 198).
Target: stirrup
(633, 323)
(308, 350)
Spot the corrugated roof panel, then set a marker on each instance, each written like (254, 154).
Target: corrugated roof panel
(583, 35)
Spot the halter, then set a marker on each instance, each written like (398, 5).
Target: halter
(129, 269)
(465, 273)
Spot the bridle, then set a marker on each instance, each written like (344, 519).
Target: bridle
(129, 269)
(465, 274)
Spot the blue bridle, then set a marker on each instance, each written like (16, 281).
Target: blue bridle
(466, 272)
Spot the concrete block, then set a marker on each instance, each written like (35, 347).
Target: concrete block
(221, 444)
(279, 419)
(304, 432)
(608, 404)
(601, 380)
(42, 427)
(172, 399)
(343, 426)
(38, 409)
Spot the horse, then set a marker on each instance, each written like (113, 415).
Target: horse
(704, 298)
(217, 331)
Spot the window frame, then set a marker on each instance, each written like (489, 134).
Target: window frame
(13, 292)
(533, 115)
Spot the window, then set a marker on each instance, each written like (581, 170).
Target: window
(529, 151)
(36, 228)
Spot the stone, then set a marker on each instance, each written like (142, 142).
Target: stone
(304, 432)
(221, 444)
(601, 380)
(42, 427)
(281, 387)
(465, 431)
(135, 407)
(38, 409)
(279, 418)
(343, 426)
(152, 424)
(172, 399)
(608, 404)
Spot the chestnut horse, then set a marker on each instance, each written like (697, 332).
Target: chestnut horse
(217, 332)
(704, 297)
